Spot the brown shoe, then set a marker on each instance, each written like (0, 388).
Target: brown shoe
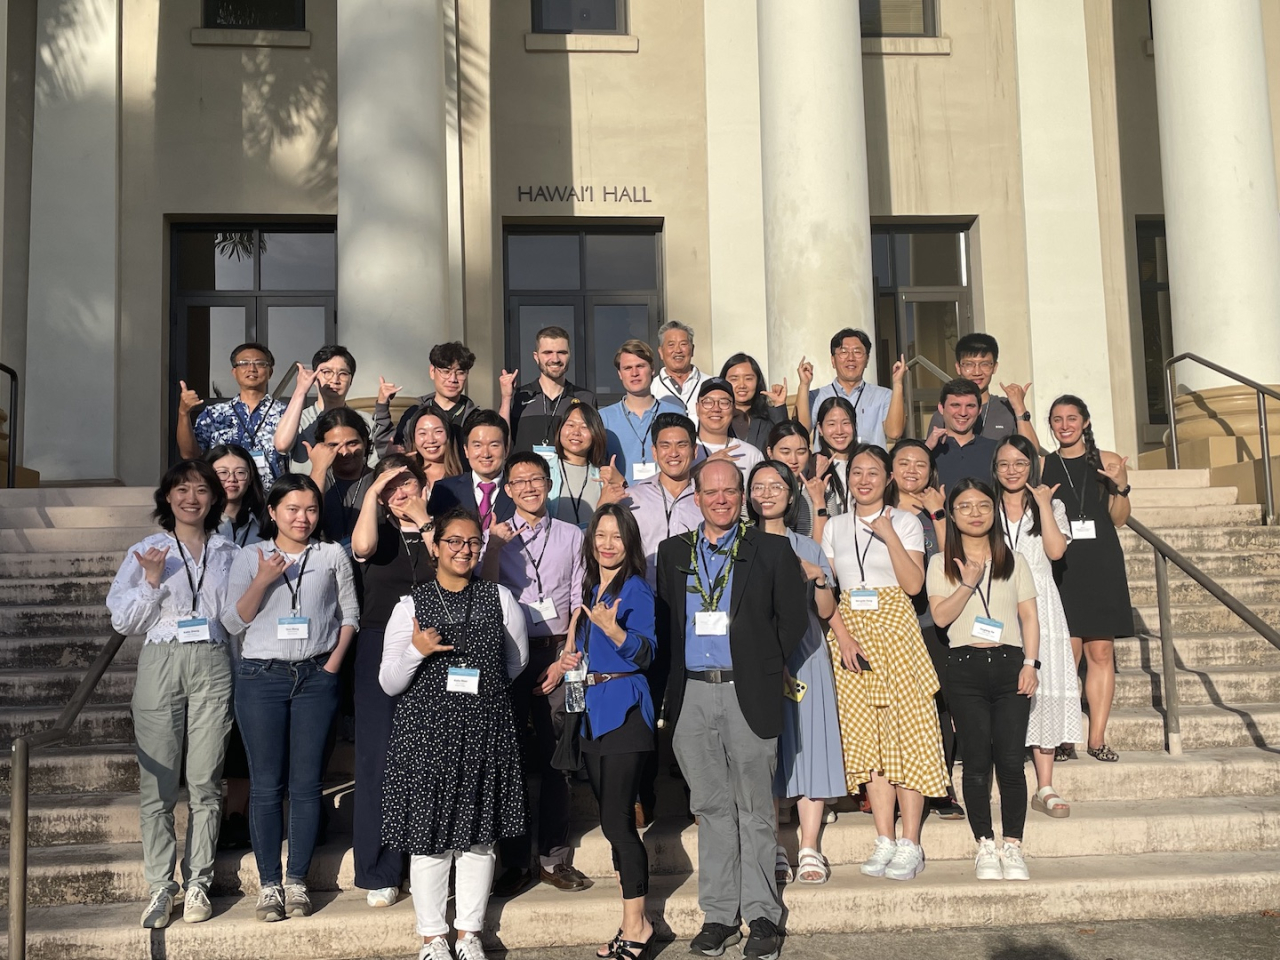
(564, 877)
(643, 816)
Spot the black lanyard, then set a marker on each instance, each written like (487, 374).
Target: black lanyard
(1009, 531)
(668, 510)
(986, 601)
(195, 585)
(1078, 494)
(348, 498)
(537, 564)
(576, 501)
(861, 555)
(413, 556)
(679, 391)
(551, 413)
(842, 488)
(459, 643)
(626, 415)
(244, 425)
(295, 592)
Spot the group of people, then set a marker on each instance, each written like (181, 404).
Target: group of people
(814, 606)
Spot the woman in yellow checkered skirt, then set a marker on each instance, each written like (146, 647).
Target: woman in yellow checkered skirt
(885, 681)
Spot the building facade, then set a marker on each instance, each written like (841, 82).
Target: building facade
(1093, 182)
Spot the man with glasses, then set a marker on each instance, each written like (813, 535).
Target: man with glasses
(958, 451)
(977, 359)
(715, 433)
(539, 559)
(627, 422)
(249, 419)
(450, 367)
(881, 412)
(678, 378)
(332, 370)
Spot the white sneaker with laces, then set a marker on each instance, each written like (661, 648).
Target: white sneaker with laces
(469, 948)
(159, 909)
(907, 862)
(382, 897)
(196, 908)
(987, 862)
(437, 949)
(1012, 863)
(297, 903)
(874, 865)
(270, 906)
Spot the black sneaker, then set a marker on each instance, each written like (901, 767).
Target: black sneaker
(765, 942)
(713, 938)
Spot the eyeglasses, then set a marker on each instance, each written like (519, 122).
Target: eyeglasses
(1012, 466)
(451, 374)
(456, 544)
(758, 489)
(981, 508)
(255, 364)
(334, 374)
(974, 366)
(240, 474)
(710, 403)
(853, 352)
(533, 482)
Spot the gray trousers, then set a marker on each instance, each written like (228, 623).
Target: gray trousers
(182, 694)
(730, 775)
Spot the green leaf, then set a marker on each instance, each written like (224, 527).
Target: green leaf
(692, 590)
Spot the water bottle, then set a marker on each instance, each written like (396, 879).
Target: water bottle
(575, 688)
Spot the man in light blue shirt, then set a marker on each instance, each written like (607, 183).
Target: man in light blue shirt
(627, 422)
(881, 412)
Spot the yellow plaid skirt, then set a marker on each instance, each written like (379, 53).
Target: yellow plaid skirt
(888, 719)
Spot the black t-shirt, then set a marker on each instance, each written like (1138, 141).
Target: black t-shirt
(955, 462)
(536, 420)
(399, 561)
(342, 502)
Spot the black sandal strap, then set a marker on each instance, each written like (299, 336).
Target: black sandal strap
(631, 949)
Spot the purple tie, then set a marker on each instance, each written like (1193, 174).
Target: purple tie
(486, 503)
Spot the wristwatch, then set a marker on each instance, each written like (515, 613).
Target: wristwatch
(1124, 491)
(937, 515)
(1031, 663)
(1025, 416)
(822, 512)
(426, 527)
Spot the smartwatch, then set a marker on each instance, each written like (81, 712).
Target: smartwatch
(1031, 663)
(938, 515)
(822, 512)
(1025, 416)
(1124, 491)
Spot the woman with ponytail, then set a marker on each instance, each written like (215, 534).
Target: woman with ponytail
(1093, 485)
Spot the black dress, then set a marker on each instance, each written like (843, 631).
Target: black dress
(453, 775)
(1091, 575)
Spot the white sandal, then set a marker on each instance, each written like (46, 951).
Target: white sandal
(811, 861)
(782, 866)
(1050, 804)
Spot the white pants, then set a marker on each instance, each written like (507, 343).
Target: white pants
(429, 883)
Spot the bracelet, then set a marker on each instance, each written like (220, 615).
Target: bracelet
(974, 588)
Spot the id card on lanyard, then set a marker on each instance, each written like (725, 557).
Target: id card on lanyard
(862, 598)
(459, 678)
(194, 628)
(295, 627)
(985, 628)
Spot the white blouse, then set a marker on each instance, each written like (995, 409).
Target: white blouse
(847, 537)
(138, 608)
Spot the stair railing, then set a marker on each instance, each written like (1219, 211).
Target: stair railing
(920, 360)
(1262, 392)
(18, 793)
(1164, 553)
(291, 373)
(13, 423)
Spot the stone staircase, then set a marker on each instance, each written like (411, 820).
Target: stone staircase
(1151, 836)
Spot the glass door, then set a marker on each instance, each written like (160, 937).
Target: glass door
(612, 321)
(526, 316)
(928, 326)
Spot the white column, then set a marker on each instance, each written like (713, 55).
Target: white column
(817, 219)
(393, 224)
(1219, 174)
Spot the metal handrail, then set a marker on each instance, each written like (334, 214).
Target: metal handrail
(287, 379)
(1262, 390)
(921, 360)
(1163, 553)
(18, 810)
(13, 423)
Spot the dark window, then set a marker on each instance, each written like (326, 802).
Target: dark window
(579, 16)
(1157, 330)
(899, 18)
(256, 14)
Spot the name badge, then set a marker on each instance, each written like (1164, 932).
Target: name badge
(987, 629)
(711, 623)
(1084, 530)
(643, 471)
(864, 600)
(543, 610)
(463, 680)
(260, 460)
(293, 628)
(193, 630)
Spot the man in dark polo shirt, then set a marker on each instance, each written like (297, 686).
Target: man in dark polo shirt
(538, 408)
(957, 450)
(977, 359)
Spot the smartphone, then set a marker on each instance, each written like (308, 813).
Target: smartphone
(862, 662)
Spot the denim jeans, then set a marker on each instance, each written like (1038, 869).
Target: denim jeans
(284, 710)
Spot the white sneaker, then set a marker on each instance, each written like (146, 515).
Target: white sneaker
(469, 948)
(160, 907)
(437, 949)
(987, 861)
(382, 897)
(874, 865)
(907, 862)
(297, 903)
(196, 908)
(1012, 863)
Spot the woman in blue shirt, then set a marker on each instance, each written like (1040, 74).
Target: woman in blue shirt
(614, 633)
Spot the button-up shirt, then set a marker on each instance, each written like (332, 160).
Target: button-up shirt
(628, 434)
(543, 561)
(709, 651)
(234, 422)
(664, 385)
(659, 515)
(870, 404)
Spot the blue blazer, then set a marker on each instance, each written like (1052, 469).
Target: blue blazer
(608, 703)
(457, 492)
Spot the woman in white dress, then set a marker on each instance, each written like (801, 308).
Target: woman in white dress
(1035, 525)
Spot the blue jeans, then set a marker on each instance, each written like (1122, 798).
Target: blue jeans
(284, 710)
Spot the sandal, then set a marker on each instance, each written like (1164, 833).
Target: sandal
(632, 949)
(1103, 753)
(811, 861)
(782, 866)
(949, 811)
(1047, 801)
(1065, 752)
(611, 947)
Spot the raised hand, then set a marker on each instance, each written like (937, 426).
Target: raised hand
(188, 400)
(1017, 394)
(909, 502)
(321, 454)
(936, 436)
(428, 641)
(503, 532)
(934, 500)
(820, 465)
(271, 566)
(605, 616)
(306, 379)
(376, 488)
(817, 488)
(899, 369)
(1044, 494)
(970, 571)
(507, 382)
(882, 526)
(778, 394)
(611, 476)
(805, 372)
(727, 453)
(386, 390)
(811, 570)
(152, 563)
(1116, 470)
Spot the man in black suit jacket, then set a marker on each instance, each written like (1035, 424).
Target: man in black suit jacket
(731, 608)
(486, 436)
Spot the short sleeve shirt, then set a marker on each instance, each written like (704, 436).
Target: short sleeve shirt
(876, 570)
(1002, 604)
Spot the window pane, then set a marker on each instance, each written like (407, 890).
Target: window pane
(576, 16)
(255, 14)
(1157, 347)
(543, 262)
(930, 329)
(209, 260)
(212, 333)
(880, 259)
(294, 334)
(928, 260)
(896, 18)
(298, 261)
(530, 318)
(611, 324)
(622, 262)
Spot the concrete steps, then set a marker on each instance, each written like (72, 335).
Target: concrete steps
(55, 687)
(84, 591)
(98, 723)
(1203, 727)
(104, 767)
(1218, 565)
(78, 517)
(1201, 686)
(27, 566)
(1144, 498)
(1211, 617)
(1202, 650)
(1223, 514)
(82, 497)
(36, 621)
(62, 652)
(1253, 592)
(72, 539)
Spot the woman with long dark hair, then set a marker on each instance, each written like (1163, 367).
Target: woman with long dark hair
(428, 439)
(756, 408)
(837, 437)
(340, 468)
(246, 500)
(789, 443)
(575, 476)
(1094, 486)
(983, 593)
(614, 641)
(172, 590)
(810, 759)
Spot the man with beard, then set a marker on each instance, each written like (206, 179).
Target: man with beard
(958, 451)
(537, 409)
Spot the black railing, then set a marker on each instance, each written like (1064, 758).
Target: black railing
(13, 423)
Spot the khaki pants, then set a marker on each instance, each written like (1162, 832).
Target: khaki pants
(182, 695)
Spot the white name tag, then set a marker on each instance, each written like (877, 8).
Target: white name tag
(260, 460)
(1083, 530)
(463, 680)
(193, 630)
(293, 628)
(643, 471)
(864, 600)
(987, 629)
(543, 610)
(711, 623)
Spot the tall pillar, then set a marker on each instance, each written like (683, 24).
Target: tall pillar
(393, 223)
(817, 218)
(1219, 172)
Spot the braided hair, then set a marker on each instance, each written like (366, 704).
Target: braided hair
(1092, 456)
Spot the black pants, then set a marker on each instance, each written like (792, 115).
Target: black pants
(938, 653)
(991, 722)
(376, 865)
(614, 780)
(553, 798)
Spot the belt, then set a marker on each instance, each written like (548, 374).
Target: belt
(710, 676)
(596, 678)
(555, 639)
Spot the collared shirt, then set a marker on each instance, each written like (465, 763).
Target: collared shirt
(299, 462)
(996, 420)
(476, 480)
(659, 515)
(250, 531)
(956, 462)
(664, 385)
(744, 455)
(628, 434)
(536, 419)
(138, 608)
(709, 651)
(543, 562)
(870, 404)
(233, 422)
